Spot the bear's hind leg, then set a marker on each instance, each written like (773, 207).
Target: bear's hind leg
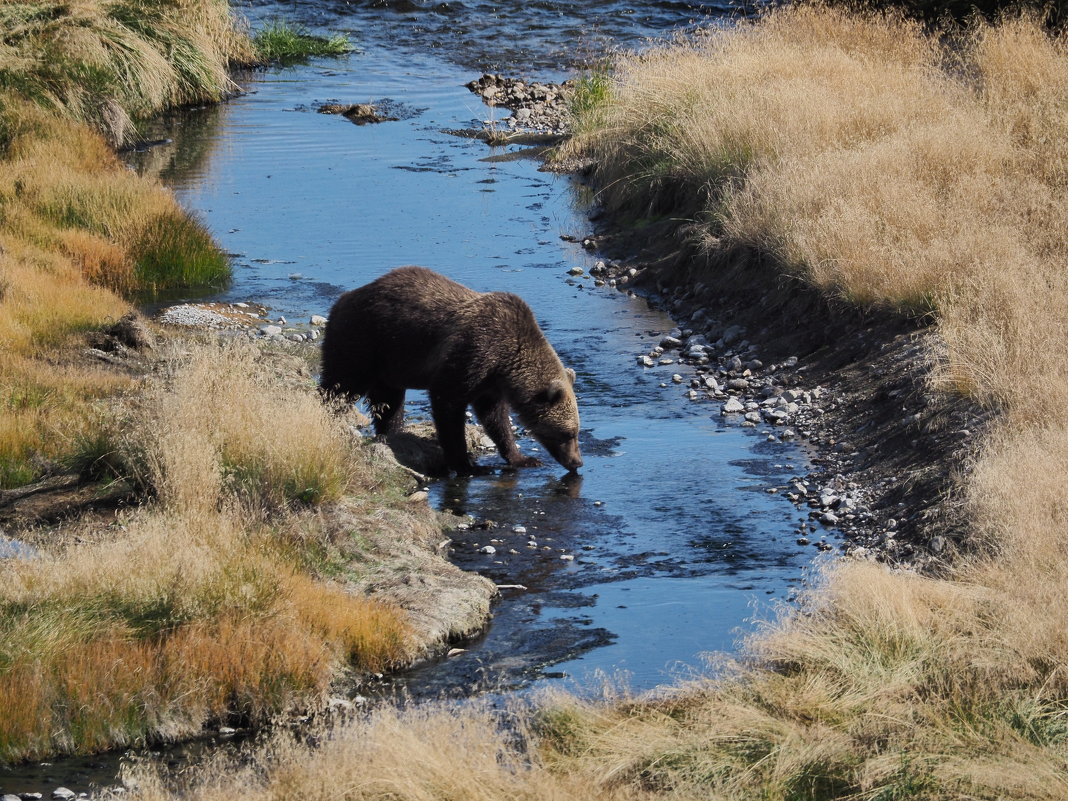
(493, 414)
(449, 420)
(386, 406)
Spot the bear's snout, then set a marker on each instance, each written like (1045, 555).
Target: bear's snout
(567, 453)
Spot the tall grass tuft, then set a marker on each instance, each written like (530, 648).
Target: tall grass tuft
(109, 64)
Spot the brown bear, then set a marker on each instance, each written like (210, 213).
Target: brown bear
(415, 329)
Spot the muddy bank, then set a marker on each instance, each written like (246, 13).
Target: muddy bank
(887, 449)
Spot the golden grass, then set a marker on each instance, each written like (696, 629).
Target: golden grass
(110, 63)
(881, 165)
(221, 426)
(199, 607)
(77, 228)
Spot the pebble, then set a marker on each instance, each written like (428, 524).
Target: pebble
(646, 361)
(576, 270)
(829, 519)
(487, 549)
(519, 529)
(271, 330)
(567, 557)
(732, 406)
(63, 794)
(317, 319)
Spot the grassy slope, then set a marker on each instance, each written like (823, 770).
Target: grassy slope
(223, 597)
(77, 226)
(877, 165)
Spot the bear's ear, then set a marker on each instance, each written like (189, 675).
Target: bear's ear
(554, 392)
(570, 374)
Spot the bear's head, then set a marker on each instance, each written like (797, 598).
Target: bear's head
(551, 415)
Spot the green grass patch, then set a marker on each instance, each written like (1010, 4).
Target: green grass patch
(284, 42)
(176, 250)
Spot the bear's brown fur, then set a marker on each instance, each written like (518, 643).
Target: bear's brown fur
(415, 329)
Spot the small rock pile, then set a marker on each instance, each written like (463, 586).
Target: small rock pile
(59, 794)
(249, 319)
(359, 113)
(541, 107)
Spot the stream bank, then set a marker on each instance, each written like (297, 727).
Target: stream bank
(880, 428)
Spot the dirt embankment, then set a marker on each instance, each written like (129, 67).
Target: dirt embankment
(877, 434)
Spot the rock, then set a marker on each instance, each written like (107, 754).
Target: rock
(646, 361)
(790, 363)
(576, 270)
(937, 544)
(30, 796)
(519, 529)
(739, 384)
(670, 342)
(733, 406)
(132, 332)
(63, 794)
(676, 378)
(487, 549)
(752, 417)
(271, 330)
(776, 416)
(567, 557)
(712, 383)
(317, 319)
(829, 519)
(666, 360)
(732, 334)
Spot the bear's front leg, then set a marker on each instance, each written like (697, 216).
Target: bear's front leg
(386, 405)
(449, 420)
(493, 414)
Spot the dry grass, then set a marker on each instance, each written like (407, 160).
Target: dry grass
(220, 426)
(79, 232)
(199, 607)
(77, 226)
(878, 164)
(109, 64)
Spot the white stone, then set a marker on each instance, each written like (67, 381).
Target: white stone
(317, 319)
(271, 330)
(732, 406)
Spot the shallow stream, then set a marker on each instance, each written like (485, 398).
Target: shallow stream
(676, 543)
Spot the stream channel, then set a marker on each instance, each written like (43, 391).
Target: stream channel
(677, 545)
